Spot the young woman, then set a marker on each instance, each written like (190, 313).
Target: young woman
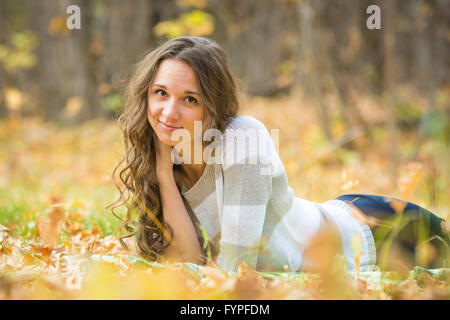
(235, 195)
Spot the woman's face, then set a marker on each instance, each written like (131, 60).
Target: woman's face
(174, 100)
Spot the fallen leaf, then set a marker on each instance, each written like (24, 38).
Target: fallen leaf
(249, 283)
(49, 227)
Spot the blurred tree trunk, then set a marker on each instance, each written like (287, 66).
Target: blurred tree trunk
(2, 75)
(309, 66)
(125, 25)
(390, 71)
(342, 68)
(66, 62)
(253, 33)
(423, 47)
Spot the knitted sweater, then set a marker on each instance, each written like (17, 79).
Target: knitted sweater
(250, 213)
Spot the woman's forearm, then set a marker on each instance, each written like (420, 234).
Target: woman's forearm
(185, 246)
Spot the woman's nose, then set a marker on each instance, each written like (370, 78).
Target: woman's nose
(170, 110)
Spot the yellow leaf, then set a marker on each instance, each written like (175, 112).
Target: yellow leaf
(57, 25)
(14, 99)
(408, 182)
(78, 203)
(4, 51)
(28, 259)
(397, 205)
(356, 243)
(73, 106)
(426, 252)
(196, 23)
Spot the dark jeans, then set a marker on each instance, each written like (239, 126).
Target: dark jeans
(406, 230)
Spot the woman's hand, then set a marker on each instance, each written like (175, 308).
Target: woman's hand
(164, 162)
(184, 246)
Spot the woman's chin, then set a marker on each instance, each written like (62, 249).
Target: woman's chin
(165, 138)
(168, 142)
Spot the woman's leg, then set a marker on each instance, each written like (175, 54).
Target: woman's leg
(411, 226)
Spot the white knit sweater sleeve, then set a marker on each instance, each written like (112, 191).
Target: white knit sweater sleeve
(247, 190)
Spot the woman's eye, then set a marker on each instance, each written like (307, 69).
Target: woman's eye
(160, 92)
(191, 99)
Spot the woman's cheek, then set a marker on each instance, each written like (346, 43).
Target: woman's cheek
(152, 109)
(150, 117)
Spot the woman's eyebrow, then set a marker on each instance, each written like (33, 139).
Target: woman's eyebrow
(188, 92)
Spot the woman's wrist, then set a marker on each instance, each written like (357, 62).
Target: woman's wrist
(164, 175)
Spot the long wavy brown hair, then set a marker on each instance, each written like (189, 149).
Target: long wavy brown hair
(135, 174)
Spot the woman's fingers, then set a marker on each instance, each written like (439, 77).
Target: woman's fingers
(164, 161)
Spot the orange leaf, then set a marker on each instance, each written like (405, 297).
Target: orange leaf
(28, 259)
(49, 227)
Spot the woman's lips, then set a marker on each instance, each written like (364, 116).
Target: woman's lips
(167, 127)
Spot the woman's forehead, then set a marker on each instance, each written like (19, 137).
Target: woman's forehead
(176, 75)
